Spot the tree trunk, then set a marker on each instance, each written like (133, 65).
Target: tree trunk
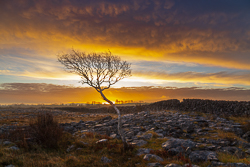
(120, 130)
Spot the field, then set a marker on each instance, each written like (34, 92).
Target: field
(34, 137)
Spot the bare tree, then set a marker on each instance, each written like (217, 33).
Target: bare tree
(100, 71)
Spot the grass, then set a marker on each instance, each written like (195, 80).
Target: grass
(37, 155)
(23, 118)
(219, 134)
(46, 131)
(228, 158)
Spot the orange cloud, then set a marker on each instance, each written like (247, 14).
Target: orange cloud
(155, 30)
(218, 78)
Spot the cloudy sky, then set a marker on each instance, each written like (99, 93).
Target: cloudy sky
(178, 49)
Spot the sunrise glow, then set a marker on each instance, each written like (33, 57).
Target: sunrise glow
(177, 49)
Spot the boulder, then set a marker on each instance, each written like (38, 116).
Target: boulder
(150, 156)
(173, 165)
(174, 142)
(141, 151)
(102, 141)
(139, 142)
(201, 156)
(13, 148)
(146, 136)
(156, 164)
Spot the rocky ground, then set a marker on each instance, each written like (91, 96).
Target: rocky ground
(199, 138)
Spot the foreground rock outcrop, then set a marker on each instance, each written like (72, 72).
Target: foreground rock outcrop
(189, 134)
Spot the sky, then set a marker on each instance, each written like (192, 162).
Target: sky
(178, 49)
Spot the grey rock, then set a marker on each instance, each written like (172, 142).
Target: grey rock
(146, 136)
(6, 143)
(156, 164)
(13, 148)
(80, 122)
(106, 119)
(247, 151)
(150, 156)
(237, 165)
(141, 151)
(70, 148)
(113, 135)
(79, 149)
(139, 142)
(129, 134)
(84, 143)
(10, 165)
(175, 151)
(173, 143)
(160, 135)
(173, 165)
(102, 140)
(201, 156)
(83, 131)
(216, 163)
(188, 151)
(187, 165)
(105, 160)
(202, 123)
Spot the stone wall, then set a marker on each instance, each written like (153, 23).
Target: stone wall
(220, 108)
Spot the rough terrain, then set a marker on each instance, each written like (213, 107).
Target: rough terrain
(199, 137)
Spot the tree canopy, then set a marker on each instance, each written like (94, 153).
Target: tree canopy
(98, 70)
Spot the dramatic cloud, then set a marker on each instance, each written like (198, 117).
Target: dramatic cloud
(169, 43)
(220, 77)
(206, 32)
(49, 93)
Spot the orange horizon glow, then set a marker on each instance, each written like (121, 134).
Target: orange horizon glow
(33, 93)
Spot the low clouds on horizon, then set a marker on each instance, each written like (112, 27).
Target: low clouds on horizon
(50, 93)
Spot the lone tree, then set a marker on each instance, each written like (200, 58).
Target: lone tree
(100, 71)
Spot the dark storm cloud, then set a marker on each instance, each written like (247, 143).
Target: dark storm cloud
(212, 32)
(189, 76)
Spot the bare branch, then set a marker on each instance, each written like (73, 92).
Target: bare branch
(98, 70)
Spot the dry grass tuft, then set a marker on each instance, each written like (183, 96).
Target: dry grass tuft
(46, 130)
(246, 127)
(228, 158)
